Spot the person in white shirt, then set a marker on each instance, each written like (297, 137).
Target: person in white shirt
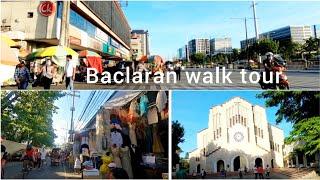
(43, 156)
(77, 165)
(70, 72)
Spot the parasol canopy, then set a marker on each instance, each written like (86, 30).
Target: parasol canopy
(32, 55)
(86, 53)
(144, 59)
(56, 51)
(6, 39)
(8, 56)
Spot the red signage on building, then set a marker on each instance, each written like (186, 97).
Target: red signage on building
(46, 8)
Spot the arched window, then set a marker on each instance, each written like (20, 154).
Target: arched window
(214, 135)
(220, 132)
(245, 122)
(241, 120)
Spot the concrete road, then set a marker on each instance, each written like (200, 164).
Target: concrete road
(13, 170)
(299, 80)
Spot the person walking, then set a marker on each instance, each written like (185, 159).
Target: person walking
(43, 156)
(260, 172)
(255, 171)
(177, 70)
(203, 174)
(268, 171)
(22, 75)
(70, 72)
(47, 72)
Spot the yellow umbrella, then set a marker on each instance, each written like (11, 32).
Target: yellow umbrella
(56, 51)
(8, 56)
(8, 41)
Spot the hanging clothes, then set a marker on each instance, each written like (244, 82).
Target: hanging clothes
(133, 111)
(161, 100)
(157, 145)
(149, 139)
(104, 169)
(116, 156)
(132, 133)
(152, 115)
(95, 62)
(143, 105)
(126, 161)
(116, 138)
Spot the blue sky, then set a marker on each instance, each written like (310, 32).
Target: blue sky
(191, 109)
(171, 24)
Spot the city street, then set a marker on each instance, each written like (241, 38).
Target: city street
(298, 79)
(13, 170)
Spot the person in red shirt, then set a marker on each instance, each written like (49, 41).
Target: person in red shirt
(29, 157)
(260, 172)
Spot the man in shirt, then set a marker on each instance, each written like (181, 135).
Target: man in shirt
(70, 72)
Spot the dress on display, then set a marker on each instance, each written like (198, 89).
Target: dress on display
(132, 133)
(106, 160)
(161, 100)
(116, 156)
(157, 145)
(153, 115)
(143, 105)
(126, 161)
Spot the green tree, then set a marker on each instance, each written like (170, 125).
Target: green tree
(177, 137)
(294, 106)
(28, 117)
(290, 49)
(235, 54)
(268, 45)
(198, 58)
(312, 45)
(307, 131)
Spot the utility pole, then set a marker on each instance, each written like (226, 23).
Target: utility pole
(65, 19)
(255, 19)
(72, 109)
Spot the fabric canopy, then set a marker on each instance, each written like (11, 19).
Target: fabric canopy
(8, 56)
(120, 98)
(95, 62)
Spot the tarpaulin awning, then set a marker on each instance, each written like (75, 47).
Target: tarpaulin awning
(8, 56)
(88, 53)
(95, 62)
(6, 39)
(120, 98)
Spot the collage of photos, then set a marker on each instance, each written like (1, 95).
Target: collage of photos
(143, 89)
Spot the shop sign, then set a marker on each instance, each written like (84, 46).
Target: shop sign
(114, 43)
(95, 44)
(102, 35)
(74, 40)
(46, 8)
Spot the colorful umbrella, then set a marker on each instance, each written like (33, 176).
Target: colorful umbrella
(32, 55)
(8, 41)
(144, 58)
(8, 56)
(56, 51)
(86, 53)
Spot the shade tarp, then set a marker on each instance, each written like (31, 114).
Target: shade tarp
(8, 56)
(7, 40)
(120, 98)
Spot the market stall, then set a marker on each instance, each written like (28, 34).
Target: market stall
(133, 127)
(154, 63)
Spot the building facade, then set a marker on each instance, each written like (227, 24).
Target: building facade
(238, 136)
(183, 53)
(140, 43)
(297, 34)
(99, 26)
(220, 45)
(199, 46)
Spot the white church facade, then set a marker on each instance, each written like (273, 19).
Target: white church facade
(238, 136)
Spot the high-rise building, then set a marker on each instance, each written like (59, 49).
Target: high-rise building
(140, 43)
(100, 26)
(238, 136)
(183, 53)
(199, 46)
(220, 45)
(296, 34)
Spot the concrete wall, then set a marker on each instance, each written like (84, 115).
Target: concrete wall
(37, 27)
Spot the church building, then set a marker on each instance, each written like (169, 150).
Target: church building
(238, 136)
